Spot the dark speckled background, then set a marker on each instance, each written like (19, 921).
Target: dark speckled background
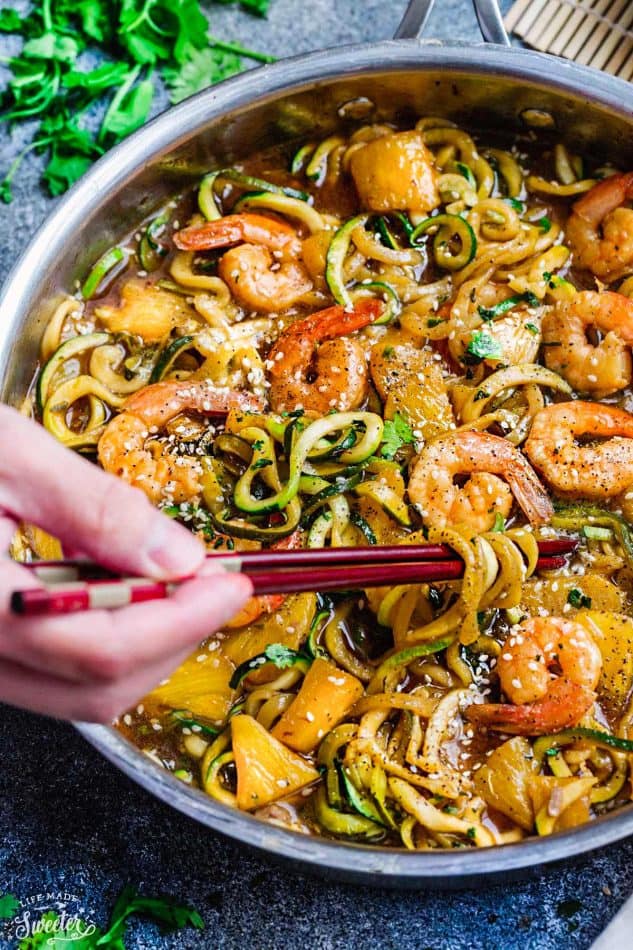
(70, 822)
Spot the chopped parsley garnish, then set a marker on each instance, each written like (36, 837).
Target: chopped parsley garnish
(397, 432)
(482, 346)
(491, 313)
(281, 656)
(434, 322)
(517, 205)
(261, 463)
(500, 522)
(577, 599)
(52, 85)
(544, 224)
(532, 327)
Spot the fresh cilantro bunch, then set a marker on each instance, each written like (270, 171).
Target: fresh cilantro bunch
(142, 39)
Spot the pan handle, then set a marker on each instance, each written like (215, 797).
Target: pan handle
(414, 19)
(488, 15)
(491, 22)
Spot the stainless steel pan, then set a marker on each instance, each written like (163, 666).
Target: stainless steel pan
(490, 86)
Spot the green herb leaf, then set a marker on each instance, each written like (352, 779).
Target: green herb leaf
(577, 599)
(532, 327)
(128, 110)
(10, 21)
(500, 522)
(492, 313)
(396, 433)
(482, 346)
(97, 80)
(46, 84)
(282, 656)
(261, 463)
(201, 68)
(544, 224)
(9, 906)
(170, 915)
(52, 46)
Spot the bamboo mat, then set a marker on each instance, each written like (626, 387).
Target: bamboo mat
(596, 33)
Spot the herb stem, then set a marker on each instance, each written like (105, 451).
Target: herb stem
(117, 99)
(241, 50)
(47, 15)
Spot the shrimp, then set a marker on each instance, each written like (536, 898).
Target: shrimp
(601, 470)
(260, 282)
(603, 368)
(265, 603)
(154, 466)
(337, 377)
(484, 457)
(600, 231)
(239, 229)
(543, 701)
(263, 273)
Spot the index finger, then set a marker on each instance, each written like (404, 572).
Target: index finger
(43, 482)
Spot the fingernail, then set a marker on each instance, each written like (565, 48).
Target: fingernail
(173, 551)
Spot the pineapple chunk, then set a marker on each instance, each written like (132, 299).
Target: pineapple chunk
(395, 173)
(201, 687)
(326, 696)
(145, 311)
(504, 781)
(553, 594)
(266, 769)
(411, 384)
(613, 633)
(289, 625)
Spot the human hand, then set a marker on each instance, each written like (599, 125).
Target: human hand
(94, 665)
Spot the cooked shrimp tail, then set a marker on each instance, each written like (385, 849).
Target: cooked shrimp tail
(238, 229)
(565, 705)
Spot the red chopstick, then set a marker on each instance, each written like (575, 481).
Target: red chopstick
(113, 593)
(251, 562)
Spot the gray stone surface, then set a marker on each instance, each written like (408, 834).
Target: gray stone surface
(70, 822)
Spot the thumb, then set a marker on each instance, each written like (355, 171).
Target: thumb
(43, 482)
